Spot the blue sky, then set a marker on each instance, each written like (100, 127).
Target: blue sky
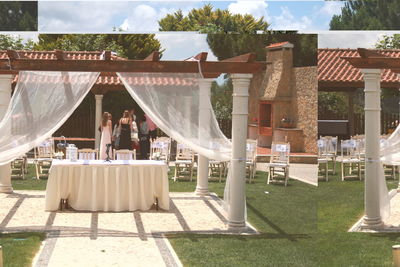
(142, 16)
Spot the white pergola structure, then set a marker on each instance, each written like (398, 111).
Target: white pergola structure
(371, 65)
(241, 69)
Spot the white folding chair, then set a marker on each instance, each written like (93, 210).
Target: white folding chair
(88, 154)
(329, 152)
(350, 156)
(322, 159)
(184, 162)
(160, 149)
(19, 167)
(43, 157)
(124, 154)
(251, 158)
(279, 162)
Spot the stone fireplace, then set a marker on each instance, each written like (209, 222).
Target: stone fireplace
(283, 102)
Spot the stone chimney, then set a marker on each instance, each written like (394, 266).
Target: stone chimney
(278, 74)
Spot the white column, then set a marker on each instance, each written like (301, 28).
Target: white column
(204, 121)
(5, 97)
(98, 114)
(237, 199)
(372, 78)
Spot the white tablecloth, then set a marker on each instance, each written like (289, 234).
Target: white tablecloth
(96, 185)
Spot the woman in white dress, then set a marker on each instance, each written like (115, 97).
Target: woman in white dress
(106, 133)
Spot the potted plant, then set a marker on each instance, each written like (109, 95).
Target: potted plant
(286, 122)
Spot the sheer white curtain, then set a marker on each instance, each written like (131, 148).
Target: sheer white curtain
(41, 103)
(390, 155)
(172, 102)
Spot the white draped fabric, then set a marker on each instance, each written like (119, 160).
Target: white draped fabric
(41, 103)
(390, 155)
(172, 103)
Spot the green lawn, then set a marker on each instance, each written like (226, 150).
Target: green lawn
(20, 248)
(300, 225)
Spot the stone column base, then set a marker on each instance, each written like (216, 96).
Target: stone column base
(371, 223)
(6, 189)
(236, 225)
(202, 191)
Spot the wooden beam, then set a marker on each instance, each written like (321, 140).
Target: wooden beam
(208, 67)
(154, 56)
(12, 54)
(373, 62)
(201, 56)
(366, 53)
(107, 55)
(249, 57)
(60, 54)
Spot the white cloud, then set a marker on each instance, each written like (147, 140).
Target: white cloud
(286, 21)
(331, 8)
(144, 18)
(255, 8)
(78, 16)
(348, 39)
(179, 46)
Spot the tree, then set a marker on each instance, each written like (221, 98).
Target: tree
(368, 15)
(242, 37)
(207, 20)
(230, 45)
(18, 16)
(389, 42)
(131, 46)
(15, 42)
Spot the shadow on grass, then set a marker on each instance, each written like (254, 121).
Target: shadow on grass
(280, 231)
(195, 237)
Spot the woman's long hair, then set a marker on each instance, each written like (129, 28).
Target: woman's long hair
(126, 114)
(105, 119)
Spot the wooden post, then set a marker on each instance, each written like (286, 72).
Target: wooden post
(350, 96)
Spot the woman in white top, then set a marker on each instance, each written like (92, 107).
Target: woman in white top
(106, 133)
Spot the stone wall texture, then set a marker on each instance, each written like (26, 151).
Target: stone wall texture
(305, 103)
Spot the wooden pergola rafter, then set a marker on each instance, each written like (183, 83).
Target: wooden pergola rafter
(243, 64)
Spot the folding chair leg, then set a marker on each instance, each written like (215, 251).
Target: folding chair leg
(176, 172)
(220, 173)
(326, 171)
(37, 171)
(342, 170)
(334, 165)
(269, 175)
(191, 172)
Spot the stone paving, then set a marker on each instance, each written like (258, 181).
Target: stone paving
(114, 238)
(307, 173)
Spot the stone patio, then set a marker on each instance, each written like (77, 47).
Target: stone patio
(111, 239)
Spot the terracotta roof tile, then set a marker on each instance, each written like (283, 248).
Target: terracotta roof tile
(277, 44)
(331, 68)
(105, 78)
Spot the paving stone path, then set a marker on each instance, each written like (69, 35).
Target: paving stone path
(113, 238)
